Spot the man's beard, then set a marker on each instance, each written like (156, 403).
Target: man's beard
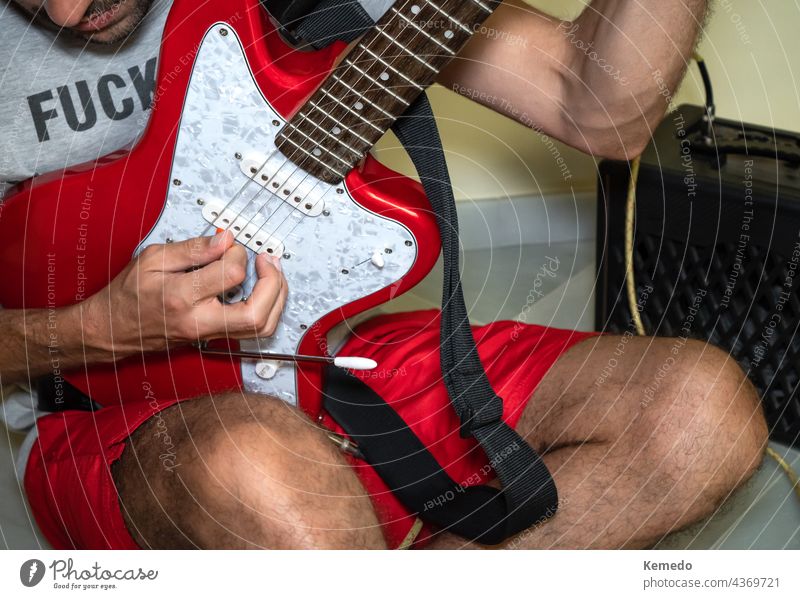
(119, 30)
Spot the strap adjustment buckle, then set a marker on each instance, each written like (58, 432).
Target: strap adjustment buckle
(489, 415)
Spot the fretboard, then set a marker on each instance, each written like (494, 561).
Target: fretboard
(377, 81)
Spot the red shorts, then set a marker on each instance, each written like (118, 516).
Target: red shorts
(68, 478)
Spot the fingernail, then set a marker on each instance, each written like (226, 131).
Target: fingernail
(276, 262)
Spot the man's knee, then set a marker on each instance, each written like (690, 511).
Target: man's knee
(282, 472)
(247, 471)
(710, 422)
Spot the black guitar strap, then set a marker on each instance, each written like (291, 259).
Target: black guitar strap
(481, 513)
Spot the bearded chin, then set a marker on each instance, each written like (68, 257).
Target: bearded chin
(124, 29)
(119, 31)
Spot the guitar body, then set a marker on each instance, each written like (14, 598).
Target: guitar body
(227, 83)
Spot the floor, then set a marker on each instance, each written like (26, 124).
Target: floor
(551, 285)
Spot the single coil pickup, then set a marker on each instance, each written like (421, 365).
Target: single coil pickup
(286, 181)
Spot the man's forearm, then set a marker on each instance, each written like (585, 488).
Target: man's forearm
(37, 342)
(599, 83)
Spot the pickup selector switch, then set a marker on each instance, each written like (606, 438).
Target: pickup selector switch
(378, 260)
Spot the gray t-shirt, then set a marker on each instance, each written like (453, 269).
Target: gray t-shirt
(64, 102)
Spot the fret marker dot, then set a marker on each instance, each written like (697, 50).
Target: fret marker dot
(384, 76)
(358, 106)
(317, 152)
(449, 34)
(415, 9)
(336, 131)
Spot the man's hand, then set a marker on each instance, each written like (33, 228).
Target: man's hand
(168, 295)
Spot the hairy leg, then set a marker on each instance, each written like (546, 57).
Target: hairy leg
(643, 437)
(240, 471)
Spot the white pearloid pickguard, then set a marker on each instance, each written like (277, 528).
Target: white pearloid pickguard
(226, 117)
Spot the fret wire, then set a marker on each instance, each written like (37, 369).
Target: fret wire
(406, 50)
(350, 110)
(363, 97)
(451, 18)
(390, 67)
(335, 120)
(375, 81)
(321, 147)
(331, 136)
(483, 6)
(310, 155)
(422, 31)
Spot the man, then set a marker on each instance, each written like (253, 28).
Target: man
(249, 471)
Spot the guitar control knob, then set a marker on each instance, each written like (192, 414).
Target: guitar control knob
(267, 369)
(378, 260)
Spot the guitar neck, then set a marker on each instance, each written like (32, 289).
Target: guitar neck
(377, 81)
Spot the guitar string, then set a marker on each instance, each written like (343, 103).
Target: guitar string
(265, 184)
(289, 160)
(330, 88)
(338, 105)
(365, 73)
(375, 61)
(397, 13)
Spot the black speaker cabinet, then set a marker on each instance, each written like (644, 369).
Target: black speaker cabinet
(716, 249)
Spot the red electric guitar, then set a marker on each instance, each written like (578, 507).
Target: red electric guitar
(251, 135)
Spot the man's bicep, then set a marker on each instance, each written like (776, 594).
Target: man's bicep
(515, 65)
